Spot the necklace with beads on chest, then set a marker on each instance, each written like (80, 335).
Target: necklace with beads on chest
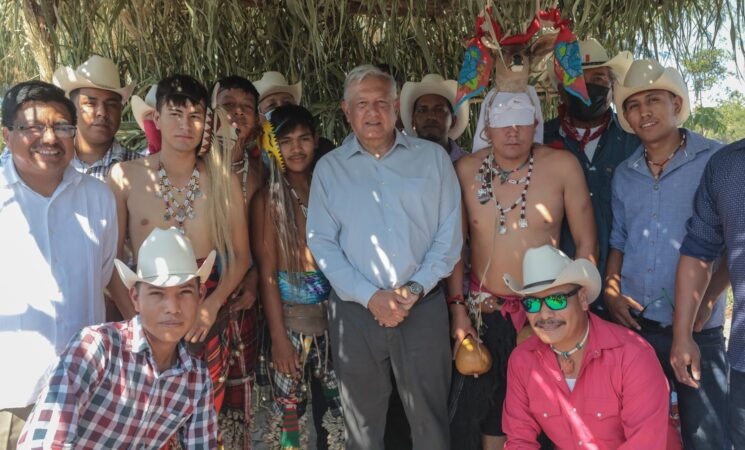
(565, 362)
(241, 167)
(303, 207)
(488, 171)
(175, 209)
(662, 164)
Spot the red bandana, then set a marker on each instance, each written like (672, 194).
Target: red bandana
(571, 131)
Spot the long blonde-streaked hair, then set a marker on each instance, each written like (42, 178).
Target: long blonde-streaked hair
(219, 162)
(283, 120)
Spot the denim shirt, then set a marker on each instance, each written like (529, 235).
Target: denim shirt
(615, 145)
(649, 225)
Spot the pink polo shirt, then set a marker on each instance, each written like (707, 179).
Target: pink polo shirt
(620, 399)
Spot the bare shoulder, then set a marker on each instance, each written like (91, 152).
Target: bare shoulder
(470, 162)
(560, 160)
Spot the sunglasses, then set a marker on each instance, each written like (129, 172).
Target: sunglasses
(554, 302)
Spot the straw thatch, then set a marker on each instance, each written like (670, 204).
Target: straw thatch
(318, 40)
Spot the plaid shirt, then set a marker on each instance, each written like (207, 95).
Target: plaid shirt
(106, 393)
(100, 169)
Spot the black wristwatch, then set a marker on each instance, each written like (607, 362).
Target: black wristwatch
(415, 289)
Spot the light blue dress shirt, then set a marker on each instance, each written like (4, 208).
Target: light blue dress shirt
(649, 224)
(377, 224)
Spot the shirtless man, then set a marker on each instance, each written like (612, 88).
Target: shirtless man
(515, 195)
(172, 188)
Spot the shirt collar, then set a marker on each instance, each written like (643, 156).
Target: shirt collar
(695, 143)
(138, 343)
(9, 175)
(114, 154)
(354, 146)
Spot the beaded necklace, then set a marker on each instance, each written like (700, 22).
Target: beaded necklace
(662, 164)
(303, 207)
(179, 211)
(567, 365)
(487, 173)
(241, 167)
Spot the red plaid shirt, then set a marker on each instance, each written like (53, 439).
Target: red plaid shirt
(106, 393)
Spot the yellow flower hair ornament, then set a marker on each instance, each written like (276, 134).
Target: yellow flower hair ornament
(270, 146)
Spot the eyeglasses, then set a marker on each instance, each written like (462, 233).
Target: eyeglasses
(554, 302)
(60, 130)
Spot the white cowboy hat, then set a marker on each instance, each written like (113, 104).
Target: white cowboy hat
(647, 75)
(141, 108)
(594, 55)
(546, 267)
(274, 82)
(166, 259)
(97, 73)
(433, 84)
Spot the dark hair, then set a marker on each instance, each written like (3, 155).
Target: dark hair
(180, 89)
(285, 119)
(447, 102)
(34, 91)
(236, 82)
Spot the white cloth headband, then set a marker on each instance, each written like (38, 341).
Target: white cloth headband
(510, 109)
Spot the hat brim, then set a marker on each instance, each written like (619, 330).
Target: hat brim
(130, 278)
(296, 90)
(670, 81)
(140, 109)
(68, 81)
(411, 91)
(581, 272)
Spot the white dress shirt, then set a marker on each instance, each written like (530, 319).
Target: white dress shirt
(57, 257)
(377, 224)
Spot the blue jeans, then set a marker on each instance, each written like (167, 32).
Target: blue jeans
(703, 411)
(737, 408)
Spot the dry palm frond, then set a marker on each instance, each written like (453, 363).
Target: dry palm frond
(318, 41)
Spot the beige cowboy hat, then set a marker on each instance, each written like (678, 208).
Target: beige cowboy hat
(166, 259)
(593, 56)
(274, 82)
(141, 108)
(647, 75)
(98, 73)
(546, 267)
(433, 84)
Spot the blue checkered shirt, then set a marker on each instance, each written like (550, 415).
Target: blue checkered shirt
(100, 169)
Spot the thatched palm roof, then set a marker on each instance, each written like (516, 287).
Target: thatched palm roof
(319, 40)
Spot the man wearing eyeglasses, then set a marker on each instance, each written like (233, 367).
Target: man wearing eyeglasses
(584, 382)
(652, 198)
(49, 214)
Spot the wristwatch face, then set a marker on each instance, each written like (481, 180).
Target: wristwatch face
(415, 288)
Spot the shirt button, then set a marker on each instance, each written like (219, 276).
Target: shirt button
(545, 414)
(600, 414)
(654, 215)
(574, 410)
(651, 242)
(649, 270)
(591, 194)
(656, 187)
(579, 443)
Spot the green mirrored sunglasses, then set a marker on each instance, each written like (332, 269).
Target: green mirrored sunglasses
(554, 302)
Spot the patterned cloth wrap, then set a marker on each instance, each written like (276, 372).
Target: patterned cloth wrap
(510, 304)
(314, 287)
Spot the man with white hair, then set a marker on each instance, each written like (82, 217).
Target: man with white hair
(515, 196)
(384, 227)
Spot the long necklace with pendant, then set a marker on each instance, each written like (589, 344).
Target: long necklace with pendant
(242, 168)
(662, 164)
(489, 170)
(303, 208)
(565, 362)
(179, 211)
(486, 192)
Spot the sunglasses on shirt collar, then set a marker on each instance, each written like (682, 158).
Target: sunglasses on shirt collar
(554, 302)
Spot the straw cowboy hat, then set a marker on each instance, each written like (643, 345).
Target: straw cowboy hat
(141, 108)
(547, 267)
(166, 259)
(274, 82)
(647, 75)
(594, 56)
(433, 84)
(97, 73)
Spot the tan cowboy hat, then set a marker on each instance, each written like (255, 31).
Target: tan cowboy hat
(593, 56)
(166, 259)
(546, 267)
(98, 73)
(141, 108)
(433, 84)
(274, 82)
(647, 75)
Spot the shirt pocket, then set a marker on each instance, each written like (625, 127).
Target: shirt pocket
(601, 417)
(549, 417)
